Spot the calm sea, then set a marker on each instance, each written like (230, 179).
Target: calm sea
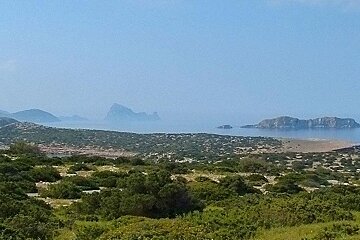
(351, 135)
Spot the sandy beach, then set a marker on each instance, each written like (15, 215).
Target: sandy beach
(313, 145)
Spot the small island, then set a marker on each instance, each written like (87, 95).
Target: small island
(286, 122)
(226, 126)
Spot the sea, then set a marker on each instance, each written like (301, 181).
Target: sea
(348, 135)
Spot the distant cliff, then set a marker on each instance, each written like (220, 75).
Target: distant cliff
(120, 113)
(295, 123)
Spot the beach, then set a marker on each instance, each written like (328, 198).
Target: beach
(313, 145)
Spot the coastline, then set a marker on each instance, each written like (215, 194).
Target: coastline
(319, 140)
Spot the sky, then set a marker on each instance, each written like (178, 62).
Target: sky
(233, 59)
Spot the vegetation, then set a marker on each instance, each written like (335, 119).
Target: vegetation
(251, 196)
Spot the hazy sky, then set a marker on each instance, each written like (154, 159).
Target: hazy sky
(240, 58)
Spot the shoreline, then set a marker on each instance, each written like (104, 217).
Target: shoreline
(304, 144)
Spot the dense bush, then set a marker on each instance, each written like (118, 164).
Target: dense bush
(238, 185)
(210, 191)
(45, 174)
(162, 229)
(289, 187)
(22, 217)
(79, 167)
(89, 231)
(152, 201)
(256, 179)
(250, 165)
(107, 178)
(82, 182)
(152, 195)
(62, 190)
(338, 230)
(241, 217)
(23, 147)
(17, 174)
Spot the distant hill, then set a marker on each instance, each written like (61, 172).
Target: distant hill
(35, 115)
(4, 121)
(286, 122)
(120, 113)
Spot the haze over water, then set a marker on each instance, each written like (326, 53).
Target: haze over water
(201, 63)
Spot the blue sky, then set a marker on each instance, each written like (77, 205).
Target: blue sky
(233, 59)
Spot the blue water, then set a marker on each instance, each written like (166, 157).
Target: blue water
(351, 135)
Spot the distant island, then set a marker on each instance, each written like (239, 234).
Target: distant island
(226, 126)
(117, 113)
(73, 118)
(31, 115)
(39, 116)
(120, 113)
(35, 115)
(286, 122)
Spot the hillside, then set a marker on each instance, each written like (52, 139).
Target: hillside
(4, 121)
(317, 123)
